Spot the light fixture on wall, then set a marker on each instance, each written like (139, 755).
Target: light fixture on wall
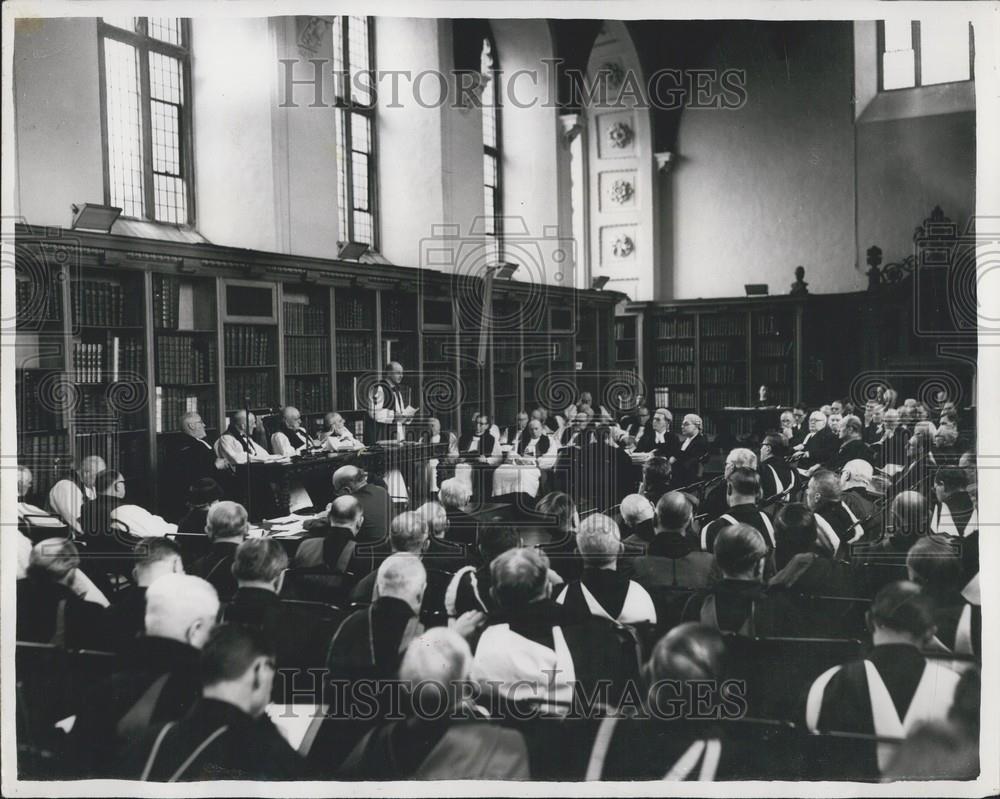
(600, 282)
(351, 250)
(91, 216)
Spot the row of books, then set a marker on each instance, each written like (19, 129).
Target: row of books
(259, 387)
(722, 351)
(305, 320)
(101, 303)
(504, 382)
(99, 408)
(624, 329)
(353, 312)
(625, 351)
(38, 303)
(681, 399)
(741, 426)
(307, 355)
(398, 313)
(166, 302)
(772, 373)
(722, 373)
(438, 349)
(309, 395)
(780, 348)
(249, 345)
(186, 359)
(723, 397)
(35, 409)
(119, 358)
(675, 353)
(675, 328)
(723, 326)
(355, 352)
(40, 454)
(675, 374)
(172, 403)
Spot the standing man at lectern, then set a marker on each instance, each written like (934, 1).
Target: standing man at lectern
(391, 409)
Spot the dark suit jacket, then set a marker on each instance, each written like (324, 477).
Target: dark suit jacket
(38, 601)
(377, 507)
(189, 460)
(820, 448)
(328, 552)
(216, 567)
(856, 449)
(893, 448)
(685, 470)
(670, 447)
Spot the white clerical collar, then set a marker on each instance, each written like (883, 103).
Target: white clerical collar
(661, 438)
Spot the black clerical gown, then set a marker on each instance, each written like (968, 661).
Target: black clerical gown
(887, 694)
(214, 741)
(610, 595)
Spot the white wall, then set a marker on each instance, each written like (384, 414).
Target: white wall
(58, 123)
(761, 189)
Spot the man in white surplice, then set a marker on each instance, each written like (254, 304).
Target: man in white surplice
(392, 414)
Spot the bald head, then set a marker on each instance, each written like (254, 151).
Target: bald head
(346, 512)
(409, 533)
(599, 541)
(673, 513)
(90, 467)
(404, 577)
(636, 509)
(434, 669)
(181, 607)
(909, 511)
(226, 521)
(291, 417)
(348, 479)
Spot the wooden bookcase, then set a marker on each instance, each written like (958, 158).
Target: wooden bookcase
(201, 327)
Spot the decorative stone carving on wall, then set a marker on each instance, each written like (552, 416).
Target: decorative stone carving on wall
(622, 246)
(311, 31)
(621, 191)
(620, 135)
(613, 73)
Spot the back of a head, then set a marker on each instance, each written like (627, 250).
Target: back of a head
(226, 520)
(744, 482)
(951, 479)
(904, 607)
(230, 650)
(560, 507)
(402, 576)
(344, 511)
(495, 539)
(259, 560)
(175, 601)
(346, 479)
(794, 529)
(852, 425)
(53, 559)
(909, 509)
(435, 666)
(935, 563)
(825, 485)
(656, 472)
(408, 533)
(150, 552)
(520, 577)
(860, 473)
(435, 517)
(635, 509)
(105, 480)
(454, 493)
(741, 457)
(738, 548)
(598, 540)
(673, 511)
(204, 491)
(690, 651)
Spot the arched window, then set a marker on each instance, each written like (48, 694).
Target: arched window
(492, 152)
(356, 175)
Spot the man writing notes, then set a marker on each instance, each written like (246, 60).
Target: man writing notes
(392, 413)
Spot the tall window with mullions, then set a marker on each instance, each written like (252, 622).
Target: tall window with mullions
(354, 65)
(146, 122)
(492, 154)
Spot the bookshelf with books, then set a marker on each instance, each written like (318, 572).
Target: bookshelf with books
(250, 347)
(308, 364)
(185, 336)
(722, 350)
(108, 367)
(506, 355)
(43, 397)
(399, 339)
(772, 351)
(562, 325)
(473, 371)
(675, 375)
(356, 348)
